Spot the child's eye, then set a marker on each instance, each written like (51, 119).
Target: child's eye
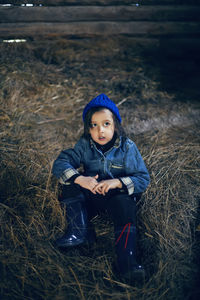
(93, 125)
(106, 124)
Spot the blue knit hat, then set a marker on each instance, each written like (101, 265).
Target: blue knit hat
(102, 101)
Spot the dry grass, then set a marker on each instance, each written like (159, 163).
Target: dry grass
(44, 87)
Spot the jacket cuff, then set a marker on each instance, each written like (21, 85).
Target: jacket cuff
(128, 183)
(67, 174)
(72, 179)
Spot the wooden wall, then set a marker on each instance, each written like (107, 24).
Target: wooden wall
(99, 2)
(142, 19)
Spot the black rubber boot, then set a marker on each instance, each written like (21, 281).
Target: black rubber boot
(79, 230)
(127, 267)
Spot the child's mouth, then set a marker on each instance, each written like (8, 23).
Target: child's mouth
(102, 138)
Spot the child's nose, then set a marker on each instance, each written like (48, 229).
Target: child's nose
(101, 129)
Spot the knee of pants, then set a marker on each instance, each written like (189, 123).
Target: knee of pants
(71, 193)
(122, 208)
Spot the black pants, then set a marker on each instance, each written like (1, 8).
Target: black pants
(119, 205)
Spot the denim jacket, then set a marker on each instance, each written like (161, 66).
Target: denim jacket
(122, 161)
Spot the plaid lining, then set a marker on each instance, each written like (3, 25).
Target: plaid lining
(67, 174)
(129, 184)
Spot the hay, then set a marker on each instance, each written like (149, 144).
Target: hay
(44, 87)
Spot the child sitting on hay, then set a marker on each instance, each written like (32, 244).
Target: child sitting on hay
(114, 179)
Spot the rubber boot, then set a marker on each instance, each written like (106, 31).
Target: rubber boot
(125, 244)
(79, 230)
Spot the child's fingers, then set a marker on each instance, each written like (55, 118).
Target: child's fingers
(98, 190)
(107, 189)
(98, 186)
(104, 189)
(92, 188)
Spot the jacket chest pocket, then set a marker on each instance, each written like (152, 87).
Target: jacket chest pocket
(116, 169)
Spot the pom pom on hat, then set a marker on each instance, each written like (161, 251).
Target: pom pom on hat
(102, 101)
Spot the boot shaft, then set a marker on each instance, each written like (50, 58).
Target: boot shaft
(79, 229)
(125, 246)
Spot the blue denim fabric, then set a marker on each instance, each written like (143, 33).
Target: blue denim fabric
(122, 161)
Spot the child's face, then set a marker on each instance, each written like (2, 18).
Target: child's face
(102, 126)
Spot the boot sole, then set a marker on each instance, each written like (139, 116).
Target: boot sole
(75, 244)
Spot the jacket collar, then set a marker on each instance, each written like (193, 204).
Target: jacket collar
(116, 144)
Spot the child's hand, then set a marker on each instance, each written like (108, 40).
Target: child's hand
(105, 185)
(87, 182)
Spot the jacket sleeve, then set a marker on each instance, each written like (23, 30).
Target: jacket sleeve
(64, 167)
(137, 178)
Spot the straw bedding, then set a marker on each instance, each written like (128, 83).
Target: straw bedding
(44, 87)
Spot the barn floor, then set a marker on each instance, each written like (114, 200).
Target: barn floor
(44, 87)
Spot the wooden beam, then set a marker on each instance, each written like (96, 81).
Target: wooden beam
(148, 29)
(99, 13)
(100, 2)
